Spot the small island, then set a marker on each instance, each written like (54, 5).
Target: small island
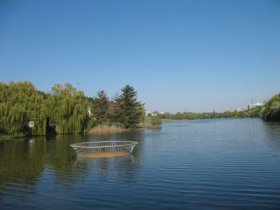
(26, 111)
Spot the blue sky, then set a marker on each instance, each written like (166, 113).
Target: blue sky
(179, 55)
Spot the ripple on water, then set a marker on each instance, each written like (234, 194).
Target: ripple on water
(219, 164)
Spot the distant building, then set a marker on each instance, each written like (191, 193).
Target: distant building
(240, 110)
(235, 110)
(147, 112)
(253, 105)
(155, 113)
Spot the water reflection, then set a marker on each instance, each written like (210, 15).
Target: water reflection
(186, 165)
(105, 165)
(25, 162)
(22, 160)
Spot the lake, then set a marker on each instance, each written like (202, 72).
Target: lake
(199, 164)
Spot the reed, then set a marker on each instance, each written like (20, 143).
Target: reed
(106, 129)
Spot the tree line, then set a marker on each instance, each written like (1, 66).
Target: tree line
(270, 111)
(24, 110)
(210, 115)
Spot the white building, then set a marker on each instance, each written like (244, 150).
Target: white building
(253, 105)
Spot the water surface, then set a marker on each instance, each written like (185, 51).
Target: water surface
(200, 164)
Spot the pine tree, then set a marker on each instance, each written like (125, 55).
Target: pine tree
(100, 107)
(130, 109)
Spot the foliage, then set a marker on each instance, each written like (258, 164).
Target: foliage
(271, 110)
(100, 107)
(68, 109)
(155, 120)
(114, 111)
(255, 112)
(26, 111)
(204, 115)
(21, 103)
(130, 110)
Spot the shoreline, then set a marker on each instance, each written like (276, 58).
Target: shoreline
(10, 137)
(98, 130)
(107, 130)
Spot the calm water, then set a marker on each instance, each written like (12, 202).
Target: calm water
(201, 164)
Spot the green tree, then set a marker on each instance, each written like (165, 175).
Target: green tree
(271, 110)
(20, 104)
(114, 110)
(131, 110)
(26, 111)
(100, 106)
(68, 109)
(155, 120)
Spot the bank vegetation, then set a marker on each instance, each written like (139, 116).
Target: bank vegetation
(24, 110)
(271, 110)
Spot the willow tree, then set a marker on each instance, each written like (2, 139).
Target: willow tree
(130, 110)
(68, 109)
(20, 104)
